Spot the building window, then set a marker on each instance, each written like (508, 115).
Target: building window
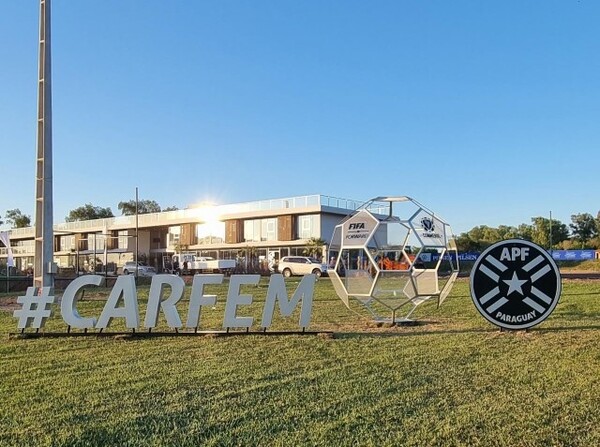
(257, 230)
(268, 229)
(66, 243)
(20, 247)
(210, 233)
(123, 239)
(250, 235)
(308, 226)
(173, 237)
(96, 241)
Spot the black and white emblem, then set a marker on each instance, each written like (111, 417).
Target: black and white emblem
(427, 224)
(515, 284)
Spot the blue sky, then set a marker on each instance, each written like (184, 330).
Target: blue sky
(486, 112)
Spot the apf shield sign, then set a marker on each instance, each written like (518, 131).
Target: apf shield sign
(515, 284)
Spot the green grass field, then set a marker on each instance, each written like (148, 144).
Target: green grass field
(581, 266)
(454, 380)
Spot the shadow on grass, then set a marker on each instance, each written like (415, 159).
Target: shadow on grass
(566, 328)
(580, 294)
(563, 294)
(490, 330)
(413, 333)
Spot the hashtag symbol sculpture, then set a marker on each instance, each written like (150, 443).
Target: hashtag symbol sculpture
(35, 308)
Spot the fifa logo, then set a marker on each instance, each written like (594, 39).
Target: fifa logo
(357, 226)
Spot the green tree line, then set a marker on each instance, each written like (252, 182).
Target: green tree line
(16, 219)
(91, 212)
(582, 233)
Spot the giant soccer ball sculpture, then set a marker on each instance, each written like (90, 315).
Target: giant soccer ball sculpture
(391, 255)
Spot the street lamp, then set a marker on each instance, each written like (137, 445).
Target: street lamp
(44, 247)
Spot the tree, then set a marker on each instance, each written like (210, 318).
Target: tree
(464, 243)
(507, 232)
(569, 244)
(584, 227)
(17, 219)
(560, 232)
(314, 247)
(88, 212)
(594, 243)
(525, 231)
(171, 208)
(144, 207)
(540, 231)
(483, 236)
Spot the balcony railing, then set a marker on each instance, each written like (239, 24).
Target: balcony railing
(195, 214)
(27, 250)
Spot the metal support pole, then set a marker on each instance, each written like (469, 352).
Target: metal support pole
(106, 239)
(137, 238)
(550, 233)
(44, 243)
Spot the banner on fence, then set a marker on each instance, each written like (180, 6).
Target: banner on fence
(573, 255)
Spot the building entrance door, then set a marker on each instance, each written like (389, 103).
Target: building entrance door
(273, 260)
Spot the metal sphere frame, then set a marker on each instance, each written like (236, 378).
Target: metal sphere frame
(391, 255)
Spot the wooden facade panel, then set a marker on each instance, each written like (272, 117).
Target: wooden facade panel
(234, 231)
(285, 228)
(81, 242)
(112, 242)
(188, 234)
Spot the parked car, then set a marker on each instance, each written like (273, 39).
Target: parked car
(142, 269)
(300, 265)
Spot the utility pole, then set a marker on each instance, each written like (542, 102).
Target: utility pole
(44, 235)
(550, 232)
(137, 237)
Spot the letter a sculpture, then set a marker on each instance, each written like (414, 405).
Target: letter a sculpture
(391, 255)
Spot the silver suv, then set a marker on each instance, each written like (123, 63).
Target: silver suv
(300, 265)
(142, 269)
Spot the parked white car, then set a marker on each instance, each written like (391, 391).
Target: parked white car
(142, 269)
(300, 265)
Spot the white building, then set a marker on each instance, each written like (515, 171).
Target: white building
(248, 232)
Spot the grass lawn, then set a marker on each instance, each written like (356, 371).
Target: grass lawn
(455, 380)
(580, 266)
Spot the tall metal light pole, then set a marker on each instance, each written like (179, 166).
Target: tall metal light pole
(550, 232)
(137, 236)
(43, 184)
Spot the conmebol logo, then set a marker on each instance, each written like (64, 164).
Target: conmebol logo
(427, 224)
